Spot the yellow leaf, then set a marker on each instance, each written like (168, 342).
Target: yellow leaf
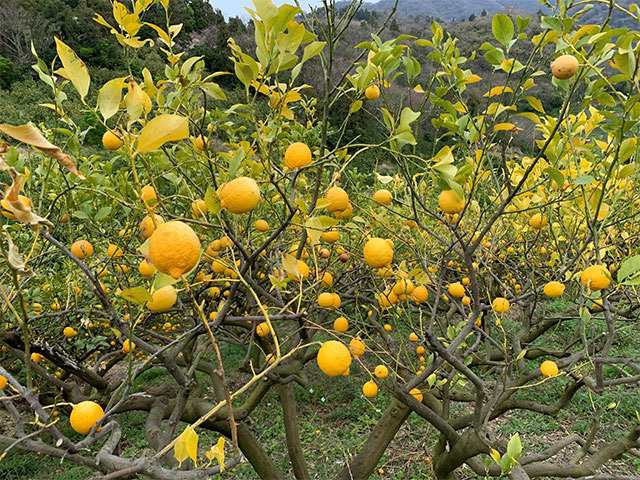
(497, 91)
(473, 78)
(187, 446)
(217, 452)
(499, 127)
(21, 211)
(163, 128)
(164, 36)
(290, 265)
(418, 89)
(149, 87)
(495, 455)
(73, 69)
(110, 96)
(31, 136)
(136, 101)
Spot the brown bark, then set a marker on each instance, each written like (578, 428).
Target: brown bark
(290, 418)
(361, 466)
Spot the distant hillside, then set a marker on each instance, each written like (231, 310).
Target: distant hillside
(458, 9)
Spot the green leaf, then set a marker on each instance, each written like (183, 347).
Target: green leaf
(213, 90)
(502, 28)
(102, 213)
(110, 97)
(514, 447)
(163, 128)
(555, 175)
(311, 50)
(583, 180)
(629, 267)
(211, 201)
(73, 69)
(627, 148)
(137, 295)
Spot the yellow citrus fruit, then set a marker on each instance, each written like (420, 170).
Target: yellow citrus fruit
(456, 290)
(36, 357)
(420, 350)
(370, 389)
(263, 329)
(114, 251)
(341, 324)
(537, 221)
(297, 155)
(417, 394)
(325, 300)
(198, 208)
(413, 337)
(356, 347)
(84, 416)
(240, 195)
(111, 141)
(261, 225)
(383, 196)
(372, 92)
(378, 253)
(500, 305)
(466, 301)
(403, 287)
(201, 143)
(564, 67)
(146, 269)
(337, 301)
(3, 382)
(338, 199)
(334, 358)
(420, 294)
(381, 371)
(174, 248)
(148, 195)
(326, 281)
(597, 304)
(344, 214)
(146, 225)
(69, 332)
(450, 203)
(163, 299)
(331, 236)
(553, 289)
(595, 277)
(82, 249)
(387, 327)
(6, 209)
(548, 368)
(303, 272)
(128, 346)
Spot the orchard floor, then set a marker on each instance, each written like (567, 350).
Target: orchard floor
(334, 419)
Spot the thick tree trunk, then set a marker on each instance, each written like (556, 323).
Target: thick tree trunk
(362, 465)
(251, 448)
(290, 416)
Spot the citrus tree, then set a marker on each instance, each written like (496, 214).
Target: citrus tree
(236, 248)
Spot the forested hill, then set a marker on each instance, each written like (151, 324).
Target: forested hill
(455, 9)
(38, 21)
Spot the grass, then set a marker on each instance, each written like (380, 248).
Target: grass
(335, 418)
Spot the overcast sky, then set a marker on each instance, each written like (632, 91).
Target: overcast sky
(233, 8)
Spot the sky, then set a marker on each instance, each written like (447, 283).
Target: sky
(233, 8)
